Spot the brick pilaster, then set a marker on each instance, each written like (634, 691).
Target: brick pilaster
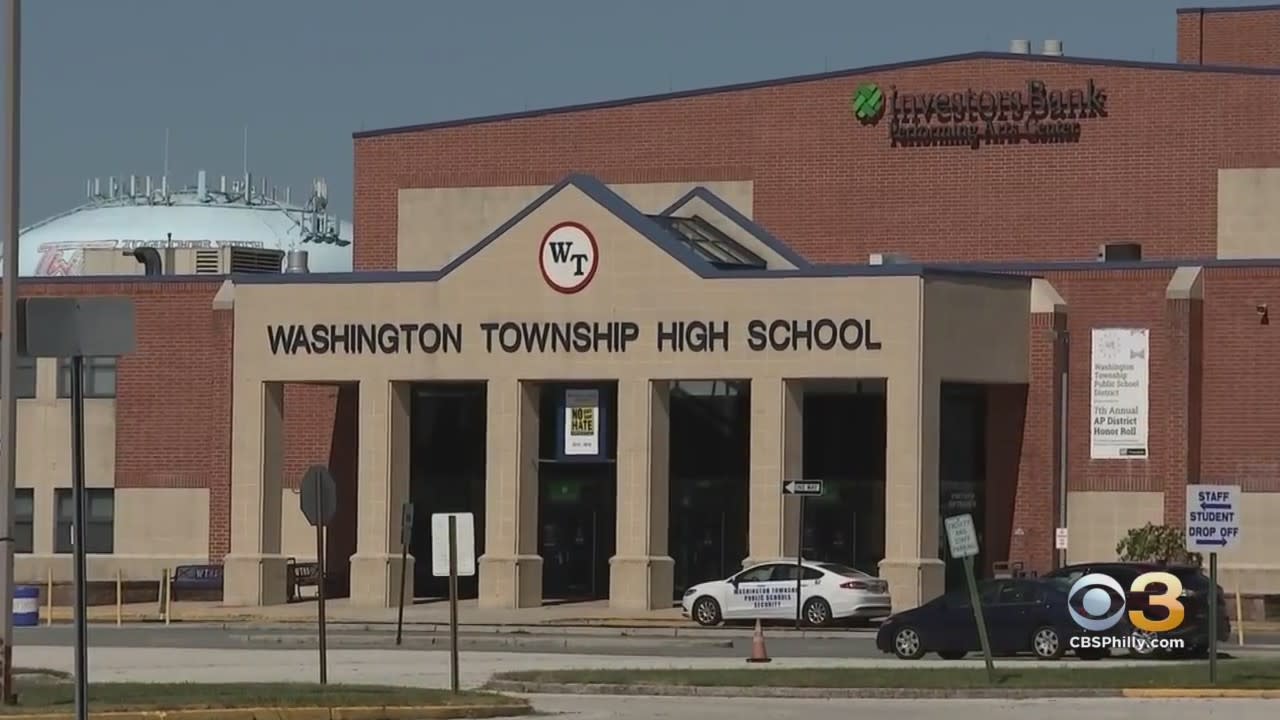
(1035, 509)
(1184, 330)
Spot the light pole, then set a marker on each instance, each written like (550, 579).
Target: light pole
(8, 339)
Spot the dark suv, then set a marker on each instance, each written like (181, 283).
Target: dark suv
(1194, 630)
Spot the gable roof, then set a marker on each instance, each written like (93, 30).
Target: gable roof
(817, 77)
(644, 226)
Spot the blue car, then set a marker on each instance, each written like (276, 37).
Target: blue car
(1022, 615)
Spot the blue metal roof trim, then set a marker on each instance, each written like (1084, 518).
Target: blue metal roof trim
(815, 77)
(746, 223)
(1227, 9)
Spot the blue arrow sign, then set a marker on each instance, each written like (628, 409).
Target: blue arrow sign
(1213, 517)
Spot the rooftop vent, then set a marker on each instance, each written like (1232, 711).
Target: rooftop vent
(1120, 252)
(296, 262)
(1052, 47)
(887, 259)
(1020, 47)
(253, 260)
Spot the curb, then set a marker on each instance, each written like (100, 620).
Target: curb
(1188, 693)
(422, 712)
(535, 688)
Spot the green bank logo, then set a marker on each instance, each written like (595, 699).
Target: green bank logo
(868, 103)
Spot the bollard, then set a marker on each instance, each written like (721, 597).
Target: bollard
(48, 600)
(119, 598)
(168, 597)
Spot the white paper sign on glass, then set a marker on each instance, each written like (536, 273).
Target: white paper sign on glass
(464, 535)
(582, 422)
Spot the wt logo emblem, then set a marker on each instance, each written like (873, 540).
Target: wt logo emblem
(568, 257)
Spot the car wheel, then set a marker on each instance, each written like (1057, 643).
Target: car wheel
(1046, 643)
(817, 612)
(907, 644)
(952, 654)
(1092, 653)
(706, 612)
(1142, 644)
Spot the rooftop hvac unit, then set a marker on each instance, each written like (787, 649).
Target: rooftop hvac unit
(1052, 47)
(228, 260)
(1020, 47)
(887, 259)
(253, 260)
(1120, 252)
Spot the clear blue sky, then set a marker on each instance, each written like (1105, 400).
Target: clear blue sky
(103, 79)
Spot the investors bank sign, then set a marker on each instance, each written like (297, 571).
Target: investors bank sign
(973, 117)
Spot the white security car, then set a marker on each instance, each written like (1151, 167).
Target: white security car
(829, 592)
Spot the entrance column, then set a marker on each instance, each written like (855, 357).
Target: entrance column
(912, 565)
(642, 573)
(255, 569)
(511, 569)
(383, 477)
(777, 452)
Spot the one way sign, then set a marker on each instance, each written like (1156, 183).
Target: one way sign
(802, 487)
(1213, 517)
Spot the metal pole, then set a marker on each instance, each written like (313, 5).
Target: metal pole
(1213, 618)
(404, 564)
(453, 603)
(799, 559)
(324, 654)
(8, 341)
(77, 536)
(1063, 429)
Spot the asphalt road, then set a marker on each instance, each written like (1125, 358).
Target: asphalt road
(713, 643)
(613, 708)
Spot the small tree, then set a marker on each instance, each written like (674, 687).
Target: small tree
(1156, 543)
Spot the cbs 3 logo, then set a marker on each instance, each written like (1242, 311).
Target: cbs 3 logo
(1097, 602)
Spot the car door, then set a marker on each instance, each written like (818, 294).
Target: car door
(748, 594)
(1012, 616)
(959, 629)
(783, 588)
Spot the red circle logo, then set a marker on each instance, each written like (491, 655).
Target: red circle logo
(568, 257)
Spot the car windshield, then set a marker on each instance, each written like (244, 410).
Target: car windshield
(844, 570)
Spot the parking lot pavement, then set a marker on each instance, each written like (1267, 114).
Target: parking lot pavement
(407, 667)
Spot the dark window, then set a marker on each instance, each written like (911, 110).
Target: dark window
(761, 573)
(710, 243)
(99, 526)
(1017, 594)
(99, 377)
(24, 517)
(24, 380)
(787, 573)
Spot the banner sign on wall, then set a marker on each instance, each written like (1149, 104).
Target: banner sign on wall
(582, 422)
(1120, 394)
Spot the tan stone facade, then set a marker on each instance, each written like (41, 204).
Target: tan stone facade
(914, 329)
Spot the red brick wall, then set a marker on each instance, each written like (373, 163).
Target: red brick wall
(836, 190)
(1241, 419)
(1243, 37)
(173, 404)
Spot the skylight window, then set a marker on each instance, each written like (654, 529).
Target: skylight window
(710, 243)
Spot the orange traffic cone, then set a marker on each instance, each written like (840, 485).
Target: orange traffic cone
(758, 653)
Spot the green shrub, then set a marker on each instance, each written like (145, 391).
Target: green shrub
(1157, 543)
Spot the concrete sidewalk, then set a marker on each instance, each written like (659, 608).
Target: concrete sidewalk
(434, 615)
(341, 610)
